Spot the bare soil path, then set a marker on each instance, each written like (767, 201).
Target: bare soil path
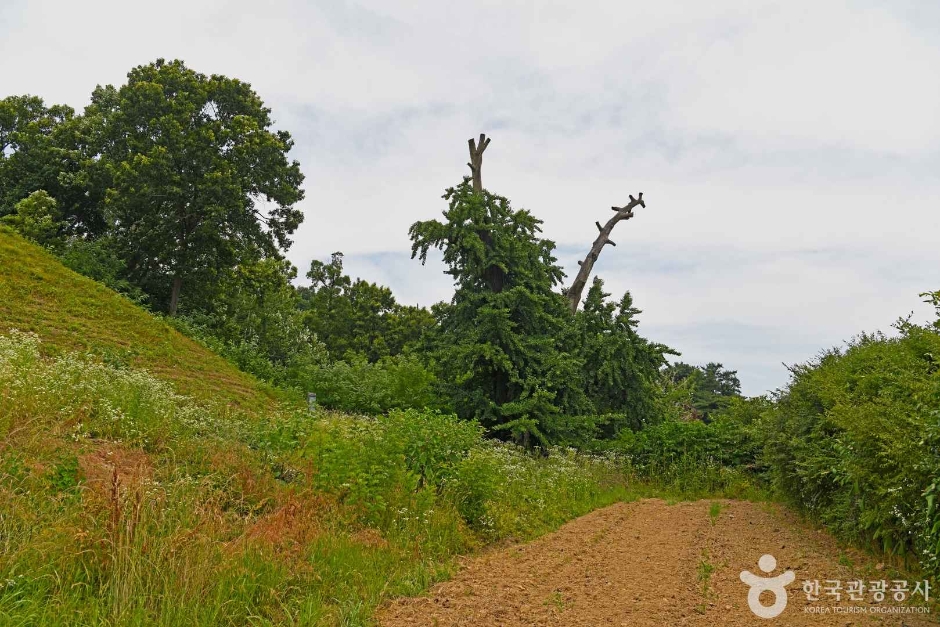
(651, 563)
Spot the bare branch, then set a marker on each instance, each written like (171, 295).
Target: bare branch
(603, 238)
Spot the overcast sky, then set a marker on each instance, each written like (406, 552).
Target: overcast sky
(789, 152)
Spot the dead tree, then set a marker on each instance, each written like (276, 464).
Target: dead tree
(476, 161)
(494, 275)
(603, 237)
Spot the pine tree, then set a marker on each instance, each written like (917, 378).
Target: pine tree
(502, 351)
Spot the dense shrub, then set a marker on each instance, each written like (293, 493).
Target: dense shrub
(855, 440)
(583, 432)
(399, 382)
(249, 354)
(725, 442)
(353, 385)
(398, 467)
(503, 492)
(692, 457)
(378, 464)
(97, 260)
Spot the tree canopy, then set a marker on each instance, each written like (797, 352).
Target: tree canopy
(710, 387)
(198, 180)
(176, 189)
(359, 317)
(512, 351)
(503, 355)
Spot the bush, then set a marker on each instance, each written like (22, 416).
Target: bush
(725, 442)
(695, 458)
(37, 218)
(399, 382)
(248, 353)
(855, 441)
(399, 469)
(503, 492)
(374, 464)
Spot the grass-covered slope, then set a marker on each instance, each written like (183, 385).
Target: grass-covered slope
(72, 313)
(124, 503)
(185, 495)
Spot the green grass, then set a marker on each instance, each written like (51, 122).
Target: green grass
(146, 481)
(705, 570)
(126, 503)
(714, 512)
(73, 313)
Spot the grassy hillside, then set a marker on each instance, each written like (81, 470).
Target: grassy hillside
(72, 313)
(127, 499)
(131, 498)
(123, 503)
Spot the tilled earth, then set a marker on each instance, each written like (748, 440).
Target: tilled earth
(652, 563)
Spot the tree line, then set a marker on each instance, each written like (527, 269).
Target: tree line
(176, 189)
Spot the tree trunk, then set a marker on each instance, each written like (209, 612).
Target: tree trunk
(476, 161)
(494, 276)
(603, 237)
(175, 294)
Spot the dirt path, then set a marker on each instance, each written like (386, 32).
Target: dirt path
(650, 563)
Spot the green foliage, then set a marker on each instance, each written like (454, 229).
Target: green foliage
(710, 388)
(358, 386)
(931, 555)
(723, 442)
(74, 314)
(383, 466)
(581, 432)
(375, 465)
(46, 148)
(501, 348)
(934, 299)
(433, 444)
(705, 570)
(855, 440)
(503, 492)
(357, 316)
(97, 259)
(36, 218)
(192, 514)
(621, 370)
(714, 512)
(252, 317)
(117, 404)
(65, 476)
(190, 157)
(691, 457)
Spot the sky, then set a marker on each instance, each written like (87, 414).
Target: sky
(789, 152)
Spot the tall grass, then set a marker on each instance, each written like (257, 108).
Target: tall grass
(124, 503)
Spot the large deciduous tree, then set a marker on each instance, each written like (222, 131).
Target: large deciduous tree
(199, 180)
(357, 316)
(47, 148)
